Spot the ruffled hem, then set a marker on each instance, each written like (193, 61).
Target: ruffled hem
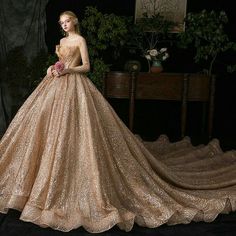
(123, 218)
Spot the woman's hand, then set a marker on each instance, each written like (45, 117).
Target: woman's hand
(64, 72)
(55, 73)
(58, 73)
(49, 71)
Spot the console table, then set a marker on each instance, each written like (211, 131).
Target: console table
(163, 86)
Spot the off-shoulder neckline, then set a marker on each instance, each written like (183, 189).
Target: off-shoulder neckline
(59, 45)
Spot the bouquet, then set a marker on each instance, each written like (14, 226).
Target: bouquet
(59, 66)
(155, 55)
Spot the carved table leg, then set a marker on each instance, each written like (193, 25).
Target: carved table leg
(184, 105)
(132, 92)
(211, 107)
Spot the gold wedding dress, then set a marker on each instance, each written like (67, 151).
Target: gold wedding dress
(67, 160)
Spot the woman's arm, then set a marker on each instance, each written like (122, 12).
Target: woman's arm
(85, 67)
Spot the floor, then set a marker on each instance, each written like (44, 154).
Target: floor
(224, 225)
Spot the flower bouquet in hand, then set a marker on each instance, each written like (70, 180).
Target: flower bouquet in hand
(59, 66)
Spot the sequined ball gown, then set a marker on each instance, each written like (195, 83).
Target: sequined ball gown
(67, 160)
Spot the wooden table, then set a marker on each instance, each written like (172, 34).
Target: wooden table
(163, 86)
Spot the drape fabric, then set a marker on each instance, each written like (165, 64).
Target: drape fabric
(22, 23)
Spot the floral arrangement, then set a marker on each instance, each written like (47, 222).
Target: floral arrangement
(155, 55)
(59, 66)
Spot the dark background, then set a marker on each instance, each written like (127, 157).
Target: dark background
(153, 118)
(126, 8)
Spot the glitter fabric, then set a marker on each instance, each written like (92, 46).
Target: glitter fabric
(67, 160)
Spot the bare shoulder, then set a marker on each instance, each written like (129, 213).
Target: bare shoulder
(75, 41)
(81, 40)
(62, 40)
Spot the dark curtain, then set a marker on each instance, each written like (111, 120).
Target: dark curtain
(22, 24)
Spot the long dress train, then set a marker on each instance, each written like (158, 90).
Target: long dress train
(67, 160)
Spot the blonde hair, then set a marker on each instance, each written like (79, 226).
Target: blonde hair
(74, 18)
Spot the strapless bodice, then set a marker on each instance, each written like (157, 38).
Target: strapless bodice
(70, 55)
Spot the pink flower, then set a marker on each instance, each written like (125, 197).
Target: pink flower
(59, 66)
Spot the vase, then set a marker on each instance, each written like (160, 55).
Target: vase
(156, 67)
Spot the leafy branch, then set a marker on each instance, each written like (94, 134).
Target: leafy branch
(205, 31)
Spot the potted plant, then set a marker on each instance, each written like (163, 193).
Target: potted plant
(205, 31)
(156, 57)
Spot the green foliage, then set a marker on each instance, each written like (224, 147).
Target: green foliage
(98, 71)
(231, 68)
(205, 31)
(156, 23)
(50, 60)
(21, 76)
(38, 69)
(103, 30)
(105, 34)
(148, 33)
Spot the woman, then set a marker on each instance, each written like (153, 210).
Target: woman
(67, 160)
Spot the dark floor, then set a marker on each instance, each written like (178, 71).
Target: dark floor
(224, 225)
